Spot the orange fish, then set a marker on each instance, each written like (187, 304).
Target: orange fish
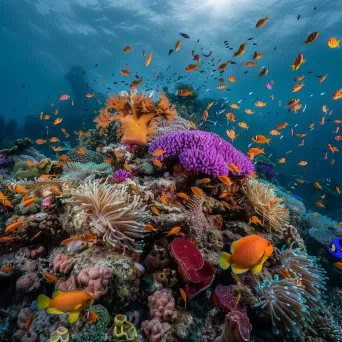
(192, 67)
(81, 150)
(177, 46)
(150, 228)
(322, 78)
(282, 161)
(241, 50)
(204, 181)
(50, 277)
(157, 163)
(263, 72)
(274, 132)
(297, 87)
(257, 55)
(338, 137)
(249, 111)
(232, 79)
(251, 64)
(333, 42)
(197, 191)
(292, 102)
(46, 117)
(40, 141)
(148, 60)
(155, 211)
(19, 189)
(254, 219)
(337, 95)
(222, 86)
(184, 92)
(230, 117)
(225, 179)
(174, 231)
(317, 185)
(243, 125)
(6, 239)
(299, 60)
(260, 104)
(182, 195)
(36, 235)
(72, 301)
(311, 37)
(127, 49)
(90, 316)
(56, 149)
(256, 151)
(135, 84)
(205, 115)
(65, 132)
(261, 22)
(158, 153)
(338, 190)
(234, 106)
(57, 121)
(183, 294)
(13, 226)
(46, 176)
(338, 265)
(7, 269)
(333, 149)
(261, 139)
(320, 204)
(302, 163)
(247, 253)
(54, 139)
(29, 201)
(299, 78)
(29, 321)
(282, 125)
(70, 239)
(125, 72)
(223, 66)
(233, 168)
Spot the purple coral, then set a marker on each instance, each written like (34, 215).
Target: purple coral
(5, 159)
(121, 175)
(202, 152)
(267, 171)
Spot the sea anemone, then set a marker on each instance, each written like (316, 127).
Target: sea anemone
(115, 214)
(266, 204)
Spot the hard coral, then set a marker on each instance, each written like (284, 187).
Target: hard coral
(62, 264)
(162, 306)
(158, 258)
(96, 280)
(202, 152)
(135, 112)
(193, 268)
(22, 334)
(113, 212)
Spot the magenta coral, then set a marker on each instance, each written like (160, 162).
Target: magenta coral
(193, 268)
(162, 306)
(96, 280)
(156, 331)
(63, 264)
(224, 298)
(202, 152)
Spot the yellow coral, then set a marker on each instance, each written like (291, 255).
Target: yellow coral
(137, 114)
(124, 330)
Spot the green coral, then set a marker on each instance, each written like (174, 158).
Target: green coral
(96, 332)
(124, 330)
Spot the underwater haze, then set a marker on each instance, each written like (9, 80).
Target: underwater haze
(170, 170)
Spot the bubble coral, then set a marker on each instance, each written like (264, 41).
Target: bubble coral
(63, 264)
(202, 152)
(113, 212)
(22, 334)
(135, 112)
(162, 306)
(96, 280)
(198, 273)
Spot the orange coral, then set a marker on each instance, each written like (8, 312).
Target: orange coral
(137, 114)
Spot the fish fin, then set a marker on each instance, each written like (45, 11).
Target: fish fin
(237, 270)
(54, 311)
(56, 294)
(224, 260)
(78, 307)
(233, 246)
(293, 66)
(43, 302)
(257, 268)
(73, 316)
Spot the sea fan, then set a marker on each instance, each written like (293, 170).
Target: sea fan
(114, 213)
(264, 200)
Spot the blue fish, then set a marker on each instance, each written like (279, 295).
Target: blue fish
(297, 197)
(335, 248)
(22, 85)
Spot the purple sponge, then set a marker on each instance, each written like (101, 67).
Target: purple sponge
(202, 152)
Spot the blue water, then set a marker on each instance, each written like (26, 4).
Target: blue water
(42, 39)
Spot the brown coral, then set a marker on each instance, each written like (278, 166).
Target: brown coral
(158, 258)
(136, 113)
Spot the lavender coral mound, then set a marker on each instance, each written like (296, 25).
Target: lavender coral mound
(202, 152)
(121, 175)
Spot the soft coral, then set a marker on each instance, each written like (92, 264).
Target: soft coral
(137, 114)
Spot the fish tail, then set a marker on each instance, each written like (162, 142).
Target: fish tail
(43, 302)
(268, 141)
(293, 66)
(224, 260)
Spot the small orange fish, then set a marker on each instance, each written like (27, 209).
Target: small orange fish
(274, 132)
(125, 72)
(46, 117)
(225, 179)
(257, 55)
(299, 78)
(263, 72)
(251, 64)
(178, 44)
(183, 294)
(281, 160)
(230, 117)
(256, 151)
(155, 211)
(337, 95)
(205, 115)
(90, 316)
(260, 104)
(299, 60)
(204, 180)
(261, 22)
(333, 149)
(222, 86)
(157, 163)
(338, 190)
(7, 269)
(148, 60)
(322, 78)
(50, 277)
(261, 139)
(70, 239)
(234, 106)
(317, 185)
(233, 168)
(231, 134)
(13, 226)
(302, 163)
(40, 141)
(29, 201)
(81, 150)
(282, 125)
(127, 49)
(232, 79)
(184, 92)
(333, 42)
(36, 235)
(135, 84)
(223, 66)
(6, 239)
(297, 87)
(292, 102)
(19, 189)
(29, 321)
(57, 121)
(311, 37)
(54, 139)
(183, 195)
(254, 219)
(320, 204)
(243, 125)
(174, 231)
(192, 67)
(241, 50)
(46, 176)
(249, 111)
(197, 191)
(338, 265)
(150, 228)
(56, 149)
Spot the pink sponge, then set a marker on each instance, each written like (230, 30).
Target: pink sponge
(162, 306)
(156, 331)
(96, 280)
(62, 264)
